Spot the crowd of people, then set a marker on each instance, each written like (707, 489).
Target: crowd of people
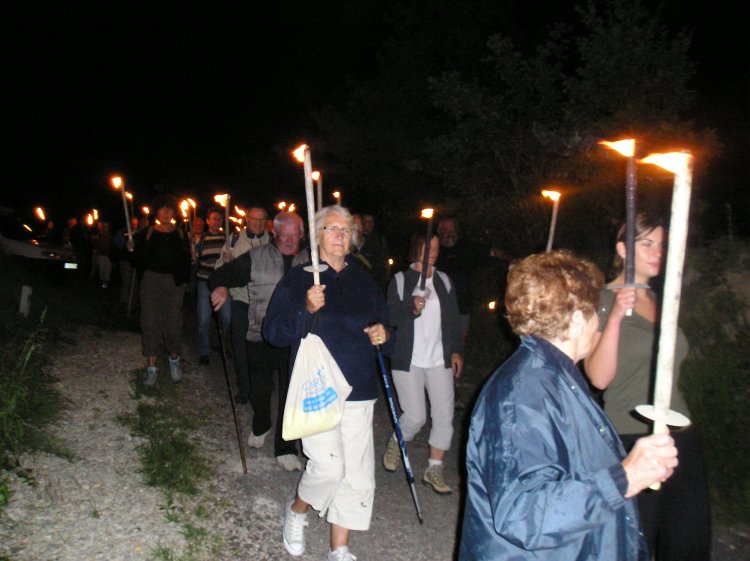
(555, 470)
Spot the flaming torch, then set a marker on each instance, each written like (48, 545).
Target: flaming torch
(554, 196)
(39, 211)
(302, 155)
(129, 197)
(337, 196)
(117, 183)
(681, 165)
(185, 210)
(223, 200)
(318, 178)
(627, 149)
(426, 213)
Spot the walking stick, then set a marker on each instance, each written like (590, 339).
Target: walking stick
(220, 329)
(131, 292)
(399, 436)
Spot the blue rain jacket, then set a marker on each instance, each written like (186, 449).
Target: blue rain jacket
(545, 479)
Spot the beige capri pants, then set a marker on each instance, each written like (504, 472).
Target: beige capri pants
(339, 478)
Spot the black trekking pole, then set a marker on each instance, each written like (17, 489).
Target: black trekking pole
(220, 329)
(399, 436)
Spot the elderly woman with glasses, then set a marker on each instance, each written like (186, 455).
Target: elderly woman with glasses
(548, 478)
(349, 313)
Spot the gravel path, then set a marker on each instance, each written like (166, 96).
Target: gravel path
(97, 506)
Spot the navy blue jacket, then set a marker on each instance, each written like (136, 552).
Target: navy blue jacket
(353, 301)
(544, 464)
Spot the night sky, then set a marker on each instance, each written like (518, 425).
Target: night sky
(201, 100)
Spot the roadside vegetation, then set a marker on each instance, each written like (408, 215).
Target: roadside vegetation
(173, 462)
(171, 459)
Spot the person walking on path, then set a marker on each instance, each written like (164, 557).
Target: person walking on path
(162, 257)
(548, 478)
(677, 518)
(253, 236)
(258, 272)
(209, 247)
(349, 313)
(427, 357)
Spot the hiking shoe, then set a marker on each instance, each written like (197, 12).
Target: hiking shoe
(257, 441)
(294, 530)
(174, 369)
(151, 374)
(290, 462)
(203, 360)
(392, 455)
(341, 554)
(433, 477)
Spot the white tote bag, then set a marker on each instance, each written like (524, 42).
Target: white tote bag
(317, 391)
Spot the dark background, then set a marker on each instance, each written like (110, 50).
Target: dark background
(204, 100)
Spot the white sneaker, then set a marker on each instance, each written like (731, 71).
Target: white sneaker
(290, 462)
(174, 369)
(152, 373)
(294, 531)
(257, 441)
(341, 554)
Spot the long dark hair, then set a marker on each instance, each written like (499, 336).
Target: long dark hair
(645, 223)
(416, 243)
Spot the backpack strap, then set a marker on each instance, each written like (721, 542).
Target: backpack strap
(400, 284)
(446, 280)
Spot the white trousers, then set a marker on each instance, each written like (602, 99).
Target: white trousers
(339, 478)
(438, 384)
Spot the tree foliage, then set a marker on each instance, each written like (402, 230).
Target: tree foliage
(468, 113)
(529, 121)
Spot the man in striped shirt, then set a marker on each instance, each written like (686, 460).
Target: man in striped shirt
(207, 252)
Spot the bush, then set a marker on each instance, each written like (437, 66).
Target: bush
(716, 375)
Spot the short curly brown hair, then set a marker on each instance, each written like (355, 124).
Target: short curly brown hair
(545, 289)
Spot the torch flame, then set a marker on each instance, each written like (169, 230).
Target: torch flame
(281, 205)
(427, 212)
(184, 207)
(675, 162)
(552, 195)
(336, 195)
(116, 181)
(492, 305)
(28, 227)
(146, 210)
(234, 219)
(624, 147)
(239, 211)
(129, 195)
(292, 207)
(89, 219)
(95, 213)
(222, 199)
(39, 212)
(299, 153)
(390, 262)
(191, 202)
(315, 175)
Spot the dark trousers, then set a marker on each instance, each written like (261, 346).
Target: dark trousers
(677, 518)
(239, 331)
(263, 359)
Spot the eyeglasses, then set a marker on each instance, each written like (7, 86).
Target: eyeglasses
(336, 230)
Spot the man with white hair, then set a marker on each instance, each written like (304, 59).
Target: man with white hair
(254, 235)
(259, 271)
